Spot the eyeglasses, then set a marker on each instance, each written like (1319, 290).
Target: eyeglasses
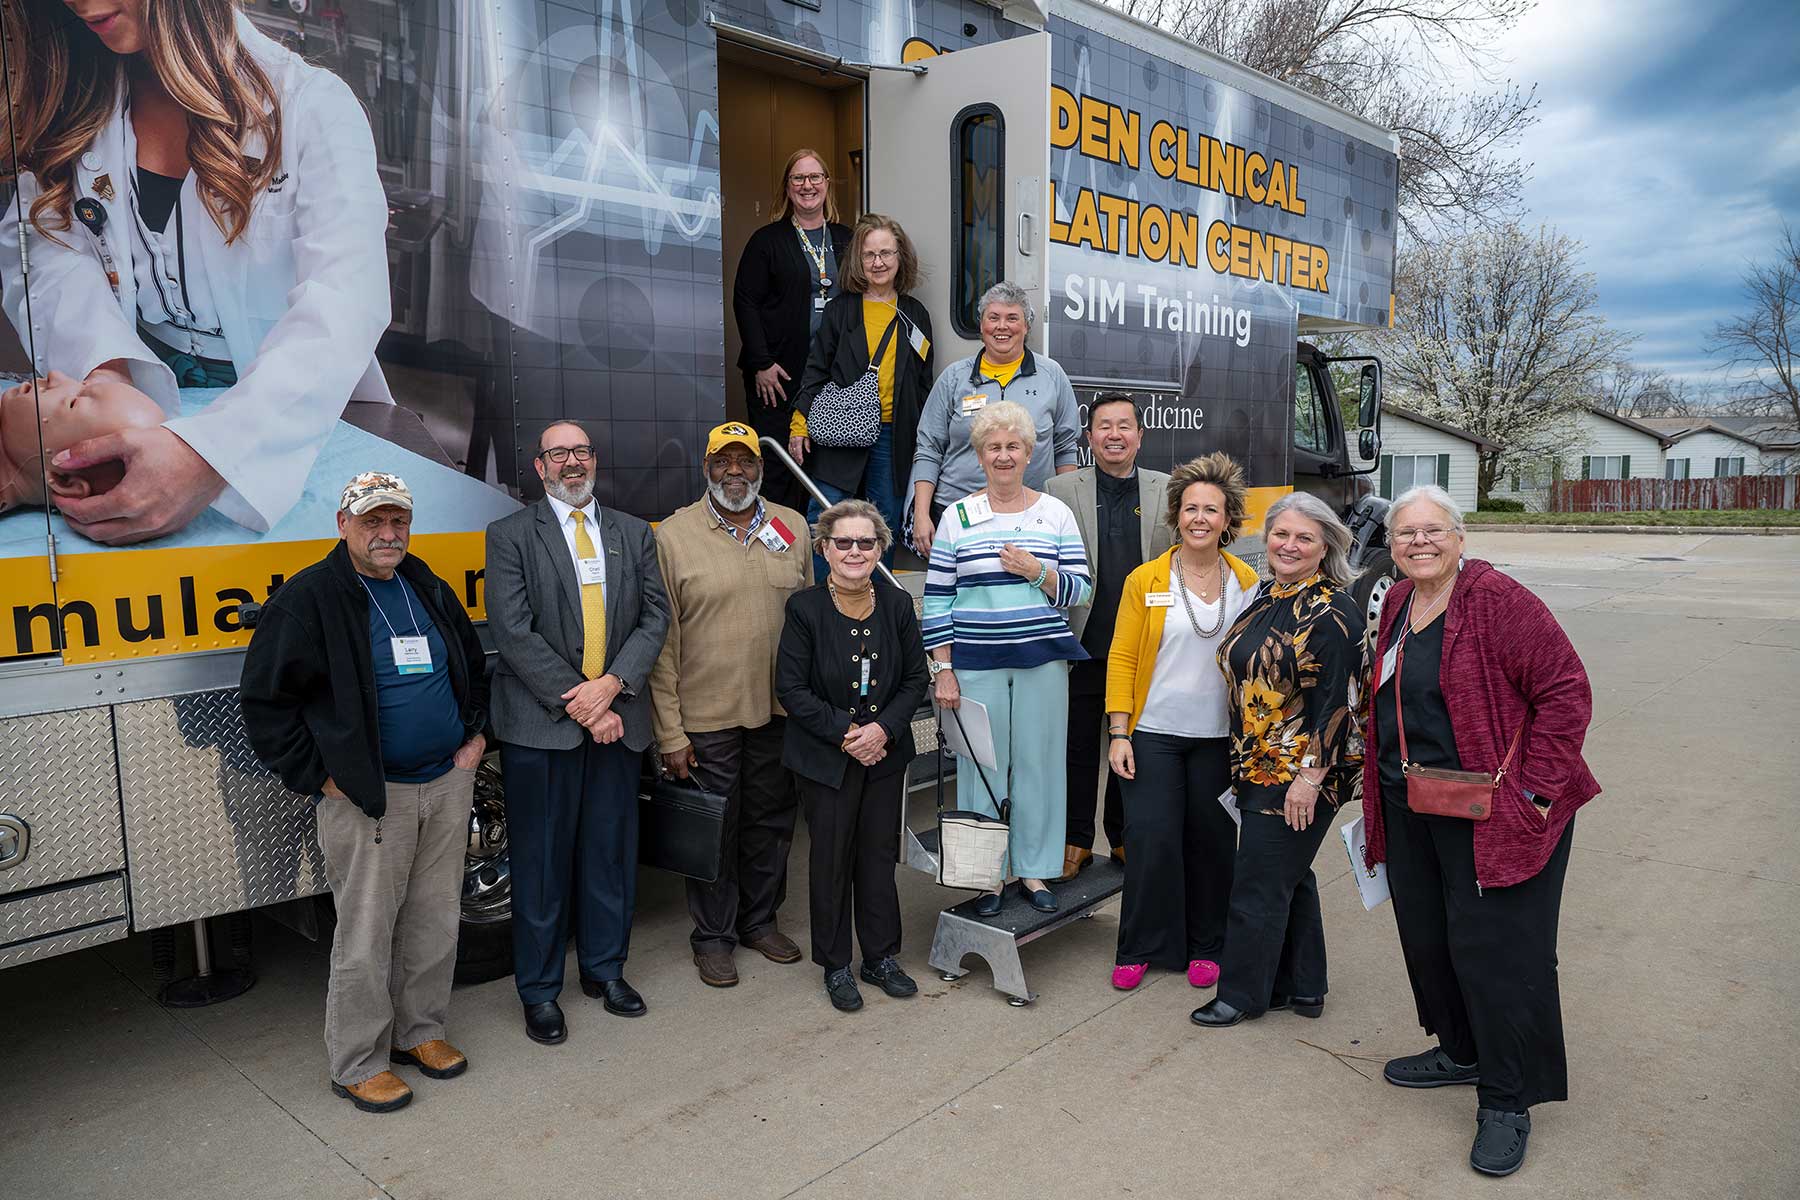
(880, 256)
(812, 179)
(863, 544)
(1431, 533)
(560, 454)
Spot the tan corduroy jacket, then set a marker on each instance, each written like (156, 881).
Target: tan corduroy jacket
(727, 605)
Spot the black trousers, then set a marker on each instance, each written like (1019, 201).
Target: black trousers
(779, 484)
(1274, 937)
(855, 831)
(1087, 717)
(744, 766)
(1482, 964)
(1180, 847)
(572, 840)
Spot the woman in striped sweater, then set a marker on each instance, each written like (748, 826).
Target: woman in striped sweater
(1006, 562)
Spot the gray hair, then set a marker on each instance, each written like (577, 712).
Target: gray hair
(849, 510)
(1428, 493)
(1007, 293)
(1336, 566)
(1004, 414)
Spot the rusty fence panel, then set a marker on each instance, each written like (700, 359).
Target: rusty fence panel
(1660, 495)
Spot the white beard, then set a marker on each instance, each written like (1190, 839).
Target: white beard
(717, 492)
(574, 497)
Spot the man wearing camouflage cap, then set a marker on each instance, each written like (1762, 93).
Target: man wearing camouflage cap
(366, 689)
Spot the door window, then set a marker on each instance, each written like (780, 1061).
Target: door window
(978, 211)
(1311, 430)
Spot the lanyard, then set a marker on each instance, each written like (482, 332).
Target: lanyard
(409, 612)
(816, 254)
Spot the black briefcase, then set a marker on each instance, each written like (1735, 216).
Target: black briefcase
(681, 828)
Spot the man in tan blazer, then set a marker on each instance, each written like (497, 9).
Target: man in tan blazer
(1119, 508)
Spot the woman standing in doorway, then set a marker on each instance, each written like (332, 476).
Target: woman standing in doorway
(202, 210)
(875, 320)
(790, 268)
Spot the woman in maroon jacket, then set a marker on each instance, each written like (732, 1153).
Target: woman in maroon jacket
(1481, 662)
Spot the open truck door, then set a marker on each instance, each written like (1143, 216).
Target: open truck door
(968, 178)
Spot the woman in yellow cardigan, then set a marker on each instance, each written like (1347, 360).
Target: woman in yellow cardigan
(1169, 733)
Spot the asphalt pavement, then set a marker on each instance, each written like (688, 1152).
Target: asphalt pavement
(1678, 962)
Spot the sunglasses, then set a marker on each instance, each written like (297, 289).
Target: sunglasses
(863, 544)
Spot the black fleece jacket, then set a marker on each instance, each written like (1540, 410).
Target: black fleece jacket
(308, 689)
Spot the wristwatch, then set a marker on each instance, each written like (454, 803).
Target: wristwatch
(937, 666)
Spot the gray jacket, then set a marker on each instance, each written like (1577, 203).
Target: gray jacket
(945, 458)
(1078, 490)
(534, 613)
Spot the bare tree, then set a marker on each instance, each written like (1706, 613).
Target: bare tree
(1498, 332)
(1403, 64)
(1763, 340)
(1633, 391)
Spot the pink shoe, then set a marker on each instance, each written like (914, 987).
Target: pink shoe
(1203, 972)
(1128, 975)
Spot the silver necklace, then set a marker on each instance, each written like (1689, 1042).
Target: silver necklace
(1188, 605)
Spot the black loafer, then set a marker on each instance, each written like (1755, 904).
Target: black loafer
(1216, 1014)
(1500, 1139)
(1042, 899)
(616, 996)
(1428, 1070)
(988, 905)
(888, 976)
(842, 990)
(544, 1023)
(1305, 1006)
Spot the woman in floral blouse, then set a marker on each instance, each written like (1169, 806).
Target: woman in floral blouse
(1294, 670)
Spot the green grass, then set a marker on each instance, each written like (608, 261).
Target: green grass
(1710, 517)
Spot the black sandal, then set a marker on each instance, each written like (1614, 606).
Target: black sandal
(1500, 1139)
(1433, 1068)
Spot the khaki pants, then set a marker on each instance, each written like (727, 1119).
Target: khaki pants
(398, 908)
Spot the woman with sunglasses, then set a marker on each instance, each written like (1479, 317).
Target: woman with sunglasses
(851, 672)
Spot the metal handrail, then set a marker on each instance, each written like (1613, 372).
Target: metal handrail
(813, 490)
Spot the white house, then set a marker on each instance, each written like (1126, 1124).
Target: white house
(1713, 447)
(1417, 449)
(1600, 445)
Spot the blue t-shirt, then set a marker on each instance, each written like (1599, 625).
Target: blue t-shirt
(421, 723)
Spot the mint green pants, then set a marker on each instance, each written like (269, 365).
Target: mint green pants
(1030, 715)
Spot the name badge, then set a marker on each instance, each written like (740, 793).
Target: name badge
(1159, 599)
(590, 570)
(974, 510)
(1387, 665)
(773, 539)
(920, 343)
(819, 304)
(863, 687)
(412, 655)
(974, 404)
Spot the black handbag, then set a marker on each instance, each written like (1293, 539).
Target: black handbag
(681, 828)
(850, 418)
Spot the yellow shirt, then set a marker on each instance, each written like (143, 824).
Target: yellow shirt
(1001, 373)
(877, 316)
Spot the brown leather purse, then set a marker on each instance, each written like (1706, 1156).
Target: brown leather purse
(1438, 791)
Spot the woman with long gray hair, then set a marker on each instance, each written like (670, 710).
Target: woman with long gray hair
(1294, 676)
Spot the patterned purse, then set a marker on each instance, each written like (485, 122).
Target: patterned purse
(850, 418)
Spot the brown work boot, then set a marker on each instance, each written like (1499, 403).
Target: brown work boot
(716, 968)
(377, 1094)
(436, 1059)
(775, 946)
(1075, 861)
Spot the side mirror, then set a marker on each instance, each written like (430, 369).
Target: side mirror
(1368, 445)
(1368, 405)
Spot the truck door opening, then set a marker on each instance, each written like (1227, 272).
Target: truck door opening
(769, 107)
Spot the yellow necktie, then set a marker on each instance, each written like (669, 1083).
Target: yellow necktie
(593, 608)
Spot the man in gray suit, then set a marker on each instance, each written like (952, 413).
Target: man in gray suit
(1119, 508)
(578, 611)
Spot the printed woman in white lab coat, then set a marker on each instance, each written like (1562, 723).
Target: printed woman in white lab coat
(200, 209)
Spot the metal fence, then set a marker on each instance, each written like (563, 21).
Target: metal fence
(1656, 495)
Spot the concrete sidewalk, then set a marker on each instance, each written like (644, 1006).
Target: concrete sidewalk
(1678, 960)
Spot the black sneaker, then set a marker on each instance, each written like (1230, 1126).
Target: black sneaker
(888, 976)
(842, 990)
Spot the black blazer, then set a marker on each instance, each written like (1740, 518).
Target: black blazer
(816, 681)
(840, 355)
(772, 298)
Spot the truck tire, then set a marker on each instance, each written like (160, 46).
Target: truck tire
(484, 941)
(1370, 588)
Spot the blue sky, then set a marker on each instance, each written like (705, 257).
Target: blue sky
(1669, 143)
